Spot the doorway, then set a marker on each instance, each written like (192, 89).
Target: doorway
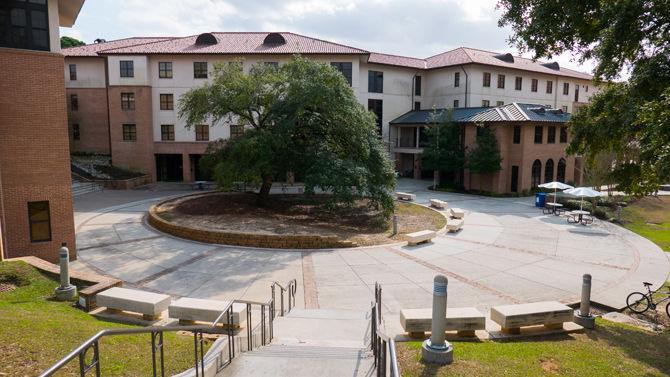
(515, 179)
(169, 168)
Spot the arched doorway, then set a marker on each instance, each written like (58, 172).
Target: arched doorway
(560, 170)
(536, 171)
(549, 171)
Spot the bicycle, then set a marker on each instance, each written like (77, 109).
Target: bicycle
(640, 302)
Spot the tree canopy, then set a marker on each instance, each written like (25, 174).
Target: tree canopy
(444, 151)
(66, 41)
(627, 120)
(485, 157)
(300, 117)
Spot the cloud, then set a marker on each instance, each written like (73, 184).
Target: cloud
(403, 27)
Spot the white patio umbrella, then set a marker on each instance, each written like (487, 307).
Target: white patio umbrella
(556, 186)
(583, 192)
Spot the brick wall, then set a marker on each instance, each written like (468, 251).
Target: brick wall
(34, 155)
(91, 116)
(135, 155)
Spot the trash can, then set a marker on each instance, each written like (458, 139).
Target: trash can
(540, 199)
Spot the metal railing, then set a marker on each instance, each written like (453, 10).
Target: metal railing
(383, 346)
(157, 350)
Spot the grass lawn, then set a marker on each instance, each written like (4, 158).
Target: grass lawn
(35, 332)
(609, 350)
(650, 218)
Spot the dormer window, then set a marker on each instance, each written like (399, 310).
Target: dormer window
(274, 39)
(206, 39)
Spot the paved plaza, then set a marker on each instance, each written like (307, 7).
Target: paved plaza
(507, 252)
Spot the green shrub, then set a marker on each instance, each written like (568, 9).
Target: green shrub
(16, 273)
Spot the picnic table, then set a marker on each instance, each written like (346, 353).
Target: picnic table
(580, 216)
(554, 207)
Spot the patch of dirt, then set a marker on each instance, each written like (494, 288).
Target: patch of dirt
(549, 365)
(6, 287)
(297, 214)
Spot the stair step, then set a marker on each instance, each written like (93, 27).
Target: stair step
(310, 352)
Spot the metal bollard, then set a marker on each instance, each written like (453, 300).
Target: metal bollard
(583, 316)
(66, 291)
(436, 349)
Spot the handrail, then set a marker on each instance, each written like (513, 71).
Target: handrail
(198, 330)
(380, 340)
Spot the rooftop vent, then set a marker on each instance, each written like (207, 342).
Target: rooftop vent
(538, 110)
(552, 65)
(505, 57)
(274, 39)
(555, 111)
(206, 39)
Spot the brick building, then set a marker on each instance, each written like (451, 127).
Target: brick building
(35, 185)
(123, 94)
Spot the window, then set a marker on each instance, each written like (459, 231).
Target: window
(456, 103)
(516, 139)
(550, 87)
(199, 70)
(501, 81)
(344, 68)
(549, 171)
(551, 135)
(457, 79)
(417, 85)
(74, 102)
(73, 72)
(375, 82)
(127, 101)
(24, 24)
(564, 108)
(587, 89)
(566, 88)
(202, 132)
(500, 103)
(560, 170)
(487, 80)
(538, 134)
(167, 132)
(129, 132)
(127, 68)
(518, 83)
(564, 134)
(167, 102)
(165, 70)
(376, 106)
(417, 105)
(236, 130)
(39, 219)
(76, 135)
(533, 85)
(486, 103)
(535, 173)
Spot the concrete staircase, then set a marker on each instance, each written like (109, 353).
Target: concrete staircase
(81, 187)
(311, 342)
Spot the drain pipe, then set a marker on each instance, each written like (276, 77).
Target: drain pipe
(467, 78)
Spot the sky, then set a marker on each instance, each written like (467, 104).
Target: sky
(403, 27)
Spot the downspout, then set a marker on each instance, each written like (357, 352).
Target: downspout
(556, 94)
(466, 85)
(3, 223)
(109, 116)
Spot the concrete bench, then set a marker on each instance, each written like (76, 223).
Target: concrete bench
(437, 203)
(419, 237)
(416, 322)
(551, 314)
(454, 225)
(149, 304)
(405, 196)
(189, 310)
(457, 213)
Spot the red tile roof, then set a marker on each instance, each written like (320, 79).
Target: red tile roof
(252, 43)
(94, 48)
(239, 43)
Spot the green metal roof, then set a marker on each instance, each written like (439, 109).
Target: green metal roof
(513, 112)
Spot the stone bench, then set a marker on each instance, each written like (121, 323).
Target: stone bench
(437, 203)
(457, 213)
(416, 322)
(189, 310)
(551, 314)
(454, 225)
(149, 304)
(419, 237)
(405, 196)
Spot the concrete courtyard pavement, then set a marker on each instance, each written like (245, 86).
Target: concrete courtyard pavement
(507, 252)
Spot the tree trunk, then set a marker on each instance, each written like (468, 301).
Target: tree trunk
(264, 192)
